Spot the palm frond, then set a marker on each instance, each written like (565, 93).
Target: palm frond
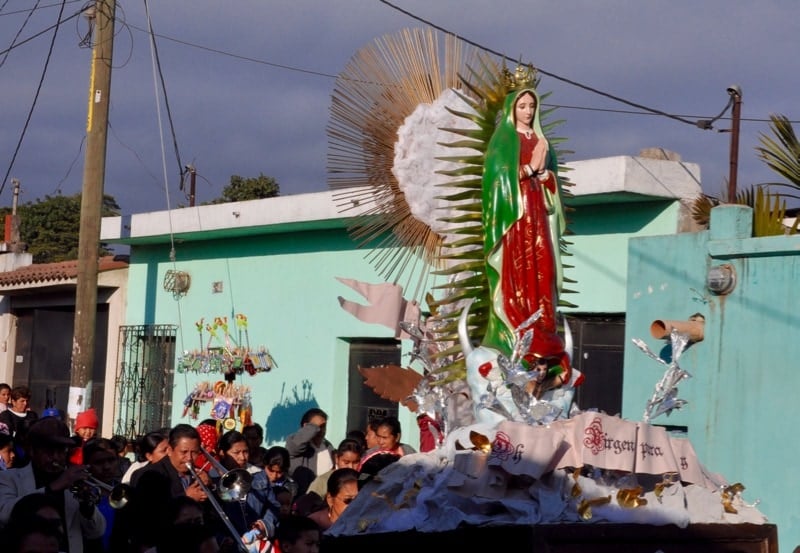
(701, 210)
(781, 153)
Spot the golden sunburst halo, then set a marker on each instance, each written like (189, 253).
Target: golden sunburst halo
(410, 124)
(382, 85)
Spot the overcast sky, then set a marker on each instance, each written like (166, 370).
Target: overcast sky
(249, 83)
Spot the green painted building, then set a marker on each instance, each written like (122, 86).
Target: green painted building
(637, 258)
(741, 416)
(276, 261)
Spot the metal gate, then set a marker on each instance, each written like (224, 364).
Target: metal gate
(143, 384)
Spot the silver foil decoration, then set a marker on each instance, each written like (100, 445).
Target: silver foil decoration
(516, 378)
(665, 396)
(431, 397)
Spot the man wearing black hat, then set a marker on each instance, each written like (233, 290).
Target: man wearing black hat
(48, 442)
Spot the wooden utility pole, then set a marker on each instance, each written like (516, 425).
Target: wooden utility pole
(83, 343)
(192, 184)
(736, 96)
(13, 235)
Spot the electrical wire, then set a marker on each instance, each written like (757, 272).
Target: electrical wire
(22, 28)
(542, 71)
(154, 48)
(85, 40)
(35, 98)
(43, 31)
(644, 111)
(15, 12)
(135, 154)
(71, 165)
(238, 56)
(172, 254)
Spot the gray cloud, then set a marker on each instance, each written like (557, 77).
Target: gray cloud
(237, 116)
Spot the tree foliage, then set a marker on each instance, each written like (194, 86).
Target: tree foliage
(248, 188)
(781, 152)
(50, 227)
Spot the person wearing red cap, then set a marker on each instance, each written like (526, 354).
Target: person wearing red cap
(86, 424)
(208, 443)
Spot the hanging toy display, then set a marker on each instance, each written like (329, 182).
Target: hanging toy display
(230, 405)
(225, 351)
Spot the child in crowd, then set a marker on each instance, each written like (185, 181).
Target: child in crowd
(124, 451)
(5, 396)
(6, 451)
(347, 455)
(18, 417)
(371, 436)
(284, 497)
(276, 467)
(86, 424)
(297, 534)
(254, 434)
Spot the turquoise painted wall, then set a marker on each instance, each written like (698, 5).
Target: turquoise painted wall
(599, 249)
(286, 286)
(742, 415)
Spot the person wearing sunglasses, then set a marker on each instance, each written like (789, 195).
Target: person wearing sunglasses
(342, 490)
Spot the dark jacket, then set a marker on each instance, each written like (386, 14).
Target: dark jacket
(145, 518)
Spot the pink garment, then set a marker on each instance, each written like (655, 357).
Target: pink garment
(386, 305)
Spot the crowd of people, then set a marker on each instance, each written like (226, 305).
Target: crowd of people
(190, 488)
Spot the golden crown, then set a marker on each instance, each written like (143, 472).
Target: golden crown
(524, 76)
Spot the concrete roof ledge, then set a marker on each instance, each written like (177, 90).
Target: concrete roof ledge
(268, 212)
(604, 180)
(635, 175)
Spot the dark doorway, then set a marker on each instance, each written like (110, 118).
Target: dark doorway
(364, 404)
(599, 344)
(44, 356)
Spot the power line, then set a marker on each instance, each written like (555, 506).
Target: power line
(135, 154)
(542, 71)
(71, 165)
(35, 98)
(643, 110)
(164, 92)
(22, 28)
(631, 112)
(43, 31)
(37, 8)
(237, 56)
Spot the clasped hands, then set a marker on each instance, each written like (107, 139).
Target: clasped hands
(527, 171)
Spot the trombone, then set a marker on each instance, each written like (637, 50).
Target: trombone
(88, 489)
(218, 508)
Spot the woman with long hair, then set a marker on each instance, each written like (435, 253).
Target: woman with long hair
(260, 510)
(150, 448)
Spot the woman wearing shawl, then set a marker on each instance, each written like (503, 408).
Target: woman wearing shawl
(524, 219)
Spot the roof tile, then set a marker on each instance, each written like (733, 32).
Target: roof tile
(52, 273)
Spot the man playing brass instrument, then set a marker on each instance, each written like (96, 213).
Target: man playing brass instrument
(155, 485)
(48, 441)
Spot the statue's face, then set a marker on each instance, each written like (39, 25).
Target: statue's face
(524, 109)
